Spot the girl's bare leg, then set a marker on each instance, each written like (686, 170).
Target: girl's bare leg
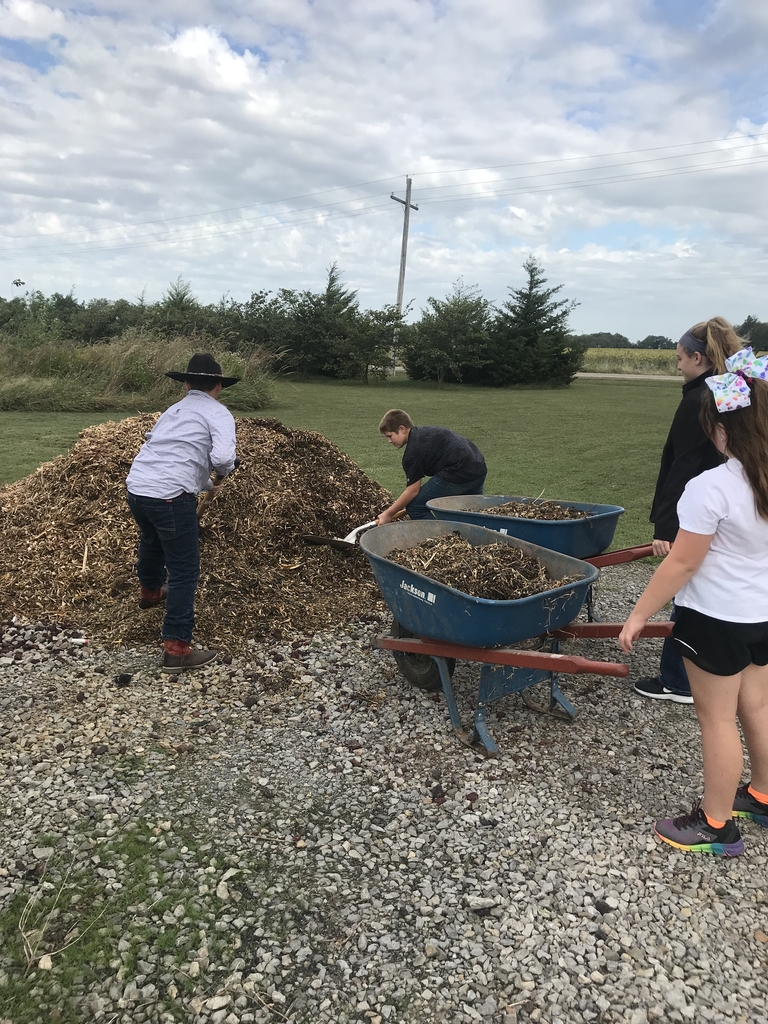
(753, 715)
(716, 699)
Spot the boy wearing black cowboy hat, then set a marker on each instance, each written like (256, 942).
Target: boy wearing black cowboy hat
(190, 440)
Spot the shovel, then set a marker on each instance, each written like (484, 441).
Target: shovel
(348, 543)
(209, 495)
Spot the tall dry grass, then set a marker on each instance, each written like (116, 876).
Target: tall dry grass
(628, 360)
(126, 374)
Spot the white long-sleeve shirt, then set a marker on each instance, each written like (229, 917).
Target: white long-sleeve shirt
(189, 440)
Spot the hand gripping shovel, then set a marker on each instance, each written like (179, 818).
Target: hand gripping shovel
(208, 496)
(348, 543)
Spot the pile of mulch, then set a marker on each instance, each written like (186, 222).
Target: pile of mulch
(549, 510)
(68, 542)
(498, 572)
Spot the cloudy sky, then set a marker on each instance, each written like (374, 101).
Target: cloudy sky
(248, 144)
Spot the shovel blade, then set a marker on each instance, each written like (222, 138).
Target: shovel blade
(331, 542)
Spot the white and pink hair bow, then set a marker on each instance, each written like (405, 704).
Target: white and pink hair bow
(731, 389)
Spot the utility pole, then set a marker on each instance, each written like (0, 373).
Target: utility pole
(407, 207)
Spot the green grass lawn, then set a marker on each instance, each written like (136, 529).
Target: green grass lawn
(599, 440)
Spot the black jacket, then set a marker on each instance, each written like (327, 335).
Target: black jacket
(687, 453)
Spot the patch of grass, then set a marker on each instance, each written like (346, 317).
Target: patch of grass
(80, 902)
(598, 440)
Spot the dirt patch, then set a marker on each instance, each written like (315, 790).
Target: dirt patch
(68, 542)
(498, 572)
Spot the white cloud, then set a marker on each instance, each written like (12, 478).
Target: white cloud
(154, 116)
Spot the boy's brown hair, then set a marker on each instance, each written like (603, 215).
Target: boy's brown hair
(394, 419)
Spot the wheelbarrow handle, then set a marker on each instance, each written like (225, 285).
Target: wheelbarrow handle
(567, 663)
(607, 630)
(621, 556)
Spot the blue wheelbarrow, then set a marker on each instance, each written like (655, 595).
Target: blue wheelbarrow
(436, 624)
(580, 538)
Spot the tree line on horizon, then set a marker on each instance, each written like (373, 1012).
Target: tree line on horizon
(462, 337)
(752, 330)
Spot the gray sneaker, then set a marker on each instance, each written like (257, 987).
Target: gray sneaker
(692, 832)
(175, 663)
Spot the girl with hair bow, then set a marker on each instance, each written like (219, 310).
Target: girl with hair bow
(717, 572)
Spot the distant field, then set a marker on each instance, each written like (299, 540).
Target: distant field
(596, 441)
(627, 360)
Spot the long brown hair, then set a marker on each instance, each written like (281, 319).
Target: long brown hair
(721, 340)
(747, 432)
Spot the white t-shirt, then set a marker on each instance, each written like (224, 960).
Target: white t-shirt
(732, 582)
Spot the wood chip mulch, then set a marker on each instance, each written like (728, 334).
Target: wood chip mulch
(68, 542)
(498, 572)
(549, 510)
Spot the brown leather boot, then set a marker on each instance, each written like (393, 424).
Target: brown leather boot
(152, 598)
(178, 656)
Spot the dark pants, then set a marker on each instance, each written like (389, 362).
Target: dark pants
(169, 543)
(436, 488)
(672, 668)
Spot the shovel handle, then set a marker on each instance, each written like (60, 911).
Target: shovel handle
(209, 495)
(402, 514)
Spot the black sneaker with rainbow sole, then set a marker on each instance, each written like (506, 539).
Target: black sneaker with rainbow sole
(746, 806)
(693, 833)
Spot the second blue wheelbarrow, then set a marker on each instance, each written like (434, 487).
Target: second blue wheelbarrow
(580, 538)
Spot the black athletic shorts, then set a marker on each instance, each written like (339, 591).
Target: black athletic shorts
(721, 648)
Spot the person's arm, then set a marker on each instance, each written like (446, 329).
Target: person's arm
(681, 563)
(223, 443)
(405, 499)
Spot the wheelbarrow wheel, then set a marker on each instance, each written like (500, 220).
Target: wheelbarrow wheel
(418, 669)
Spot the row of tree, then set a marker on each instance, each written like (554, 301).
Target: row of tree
(604, 340)
(462, 337)
(752, 330)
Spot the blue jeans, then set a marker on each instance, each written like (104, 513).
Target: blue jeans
(672, 668)
(436, 488)
(169, 543)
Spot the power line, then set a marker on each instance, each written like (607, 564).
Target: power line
(596, 156)
(105, 245)
(376, 181)
(336, 215)
(587, 183)
(626, 163)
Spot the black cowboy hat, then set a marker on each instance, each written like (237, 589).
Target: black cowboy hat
(202, 364)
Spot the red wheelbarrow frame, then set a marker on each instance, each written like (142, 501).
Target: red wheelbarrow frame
(527, 667)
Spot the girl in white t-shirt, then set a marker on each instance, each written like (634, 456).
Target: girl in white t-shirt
(717, 572)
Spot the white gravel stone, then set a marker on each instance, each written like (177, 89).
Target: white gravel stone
(333, 846)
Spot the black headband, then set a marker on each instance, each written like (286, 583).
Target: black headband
(693, 344)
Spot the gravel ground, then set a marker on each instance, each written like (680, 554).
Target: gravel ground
(297, 836)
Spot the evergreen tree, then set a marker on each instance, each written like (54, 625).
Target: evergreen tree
(450, 338)
(319, 325)
(529, 340)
